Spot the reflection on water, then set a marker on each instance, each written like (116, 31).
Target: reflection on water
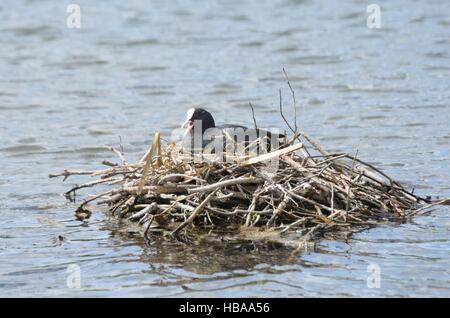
(135, 67)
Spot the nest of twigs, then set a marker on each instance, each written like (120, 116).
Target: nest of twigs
(304, 194)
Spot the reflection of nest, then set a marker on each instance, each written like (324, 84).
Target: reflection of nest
(303, 194)
(210, 255)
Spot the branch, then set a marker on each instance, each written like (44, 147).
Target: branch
(194, 214)
(253, 115)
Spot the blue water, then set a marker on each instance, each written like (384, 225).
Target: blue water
(135, 67)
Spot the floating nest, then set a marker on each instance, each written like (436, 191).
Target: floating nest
(288, 194)
(168, 192)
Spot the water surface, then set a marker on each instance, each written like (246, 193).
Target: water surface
(135, 67)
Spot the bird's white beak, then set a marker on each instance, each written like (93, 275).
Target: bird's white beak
(188, 123)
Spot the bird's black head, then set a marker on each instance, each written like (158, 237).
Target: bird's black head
(196, 116)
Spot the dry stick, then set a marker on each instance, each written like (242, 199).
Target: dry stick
(149, 152)
(252, 206)
(293, 97)
(330, 159)
(253, 115)
(167, 209)
(442, 202)
(67, 173)
(310, 176)
(95, 197)
(305, 150)
(276, 153)
(175, 203)
(148, 160)
(115, 170)
(284, 118)
(121, 145)
(162, 213)
(118, 153)
(152, 217)
(193, 215)
(299, 221)
(225, 183)
(332, 199)
(296, 135)
(112, 198)
(353, 161)
(91, 184)
(347, 203)
(393, 182)
(144, 211)
(278, 211)
(158, 150)
(302, 198)
(430, 205)
(180, 175)
(297, 166)
(167, 189)
(315, 145)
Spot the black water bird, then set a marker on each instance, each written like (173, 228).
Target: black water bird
(202, 131)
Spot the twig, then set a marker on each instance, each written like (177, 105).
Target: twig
(294, 101)
(67, 173)
(193, 214)
(253, 115)
(118, 153)
(225, 183)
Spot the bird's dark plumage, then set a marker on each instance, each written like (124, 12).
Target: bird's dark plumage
(201, 131)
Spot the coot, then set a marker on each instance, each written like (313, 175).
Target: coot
(202, 134)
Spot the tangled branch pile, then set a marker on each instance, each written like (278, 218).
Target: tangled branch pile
(307, 194)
